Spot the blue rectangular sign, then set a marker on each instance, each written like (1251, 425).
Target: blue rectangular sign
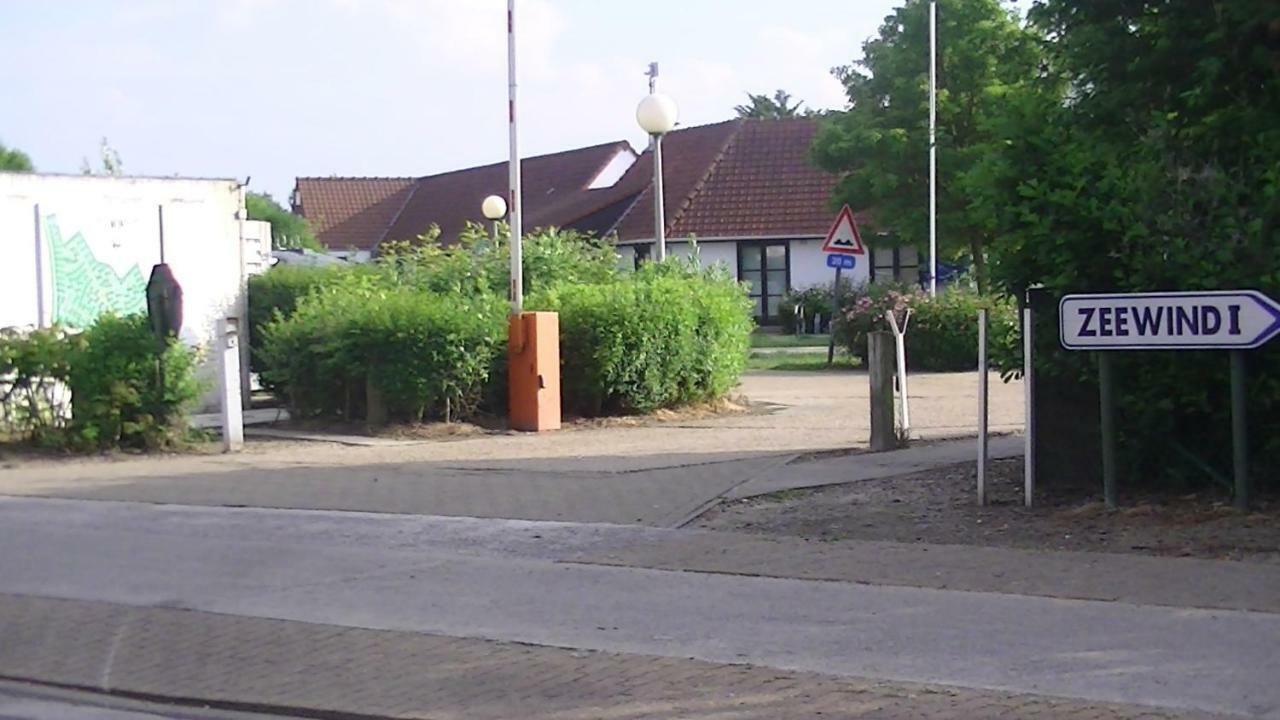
(844, 262)
(1210, 320)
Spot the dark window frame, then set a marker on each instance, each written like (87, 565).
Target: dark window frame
(760, 246)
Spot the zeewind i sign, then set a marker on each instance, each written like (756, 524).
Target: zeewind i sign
(1235, 320)
(1211, 320)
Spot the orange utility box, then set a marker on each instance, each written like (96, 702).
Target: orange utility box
(533, 368)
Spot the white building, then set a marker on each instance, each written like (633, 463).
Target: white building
(78, 246)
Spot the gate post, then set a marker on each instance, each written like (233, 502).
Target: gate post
(880, 363)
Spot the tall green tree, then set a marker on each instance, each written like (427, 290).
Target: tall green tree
(14, 160)
(880, 146)
(778, 106)
(1146, 157)
(288, 231)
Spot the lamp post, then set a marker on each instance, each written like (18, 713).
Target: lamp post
(657, 114)
(494, 209)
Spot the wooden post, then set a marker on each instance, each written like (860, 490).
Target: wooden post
(880, 363)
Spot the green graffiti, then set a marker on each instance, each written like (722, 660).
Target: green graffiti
(83, 286)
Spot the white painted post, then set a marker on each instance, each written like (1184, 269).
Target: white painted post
(227, 347)
(900, 343)
(1028, 394)
(982, 406)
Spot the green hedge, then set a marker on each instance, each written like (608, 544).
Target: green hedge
(667, 335)
(278, 290)
(426, 325)
(113, 371)
(942, 334)
(431, 355)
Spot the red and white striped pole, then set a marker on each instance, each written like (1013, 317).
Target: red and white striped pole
(513, 202)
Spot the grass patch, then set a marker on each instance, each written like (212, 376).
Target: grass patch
(802, 362)
(772, 340)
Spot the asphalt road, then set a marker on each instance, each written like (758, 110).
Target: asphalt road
(495, 579)
(19, 701)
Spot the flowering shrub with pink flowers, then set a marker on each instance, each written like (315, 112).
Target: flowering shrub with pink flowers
(864, 312)
(942, 334)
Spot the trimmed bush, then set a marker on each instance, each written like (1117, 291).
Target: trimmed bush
(667, 335)
(942, 335)
(124, 392)
(430, 355)
(278, 290)
(479, 264)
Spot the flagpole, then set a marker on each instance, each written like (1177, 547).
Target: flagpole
(513, 200)
(933, 148)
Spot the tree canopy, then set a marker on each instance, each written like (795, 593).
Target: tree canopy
(879, 145)
(288, 231)
(778, 106)
(1145, 157)
(14, 160)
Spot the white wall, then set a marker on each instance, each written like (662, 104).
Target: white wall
(626, 257)
(809, 266)
(808, 262)
(98, 239)
(719, 253)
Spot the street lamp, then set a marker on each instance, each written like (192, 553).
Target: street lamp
(657, 114)
(494, 208)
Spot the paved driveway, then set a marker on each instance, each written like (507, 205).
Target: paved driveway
(659, 473)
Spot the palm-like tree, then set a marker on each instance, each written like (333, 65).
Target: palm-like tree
(778, 106)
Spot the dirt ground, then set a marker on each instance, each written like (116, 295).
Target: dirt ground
(940, 507)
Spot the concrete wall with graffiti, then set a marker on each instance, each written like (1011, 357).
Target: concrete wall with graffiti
(75, 247)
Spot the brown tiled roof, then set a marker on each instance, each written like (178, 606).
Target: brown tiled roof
(742, 178)
(555, 191)
(346, 212)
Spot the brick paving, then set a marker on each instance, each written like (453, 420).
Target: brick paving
(324, 670)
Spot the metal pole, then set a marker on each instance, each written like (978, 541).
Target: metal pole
(982, 406)
(1239, 430)
(513, 202)
(1106, 392)
(1029, 409)
(933, 148)
(40, 310)
(160, 217)
(835, 300)
(659, 221)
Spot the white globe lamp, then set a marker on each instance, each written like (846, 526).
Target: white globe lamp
(494, 207)
(657, 114)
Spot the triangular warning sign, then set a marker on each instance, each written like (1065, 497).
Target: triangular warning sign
(843, 236)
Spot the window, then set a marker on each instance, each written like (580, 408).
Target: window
(895, 264)
(642, 254)
(765, 268)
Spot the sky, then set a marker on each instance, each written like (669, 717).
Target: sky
(275, 89)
